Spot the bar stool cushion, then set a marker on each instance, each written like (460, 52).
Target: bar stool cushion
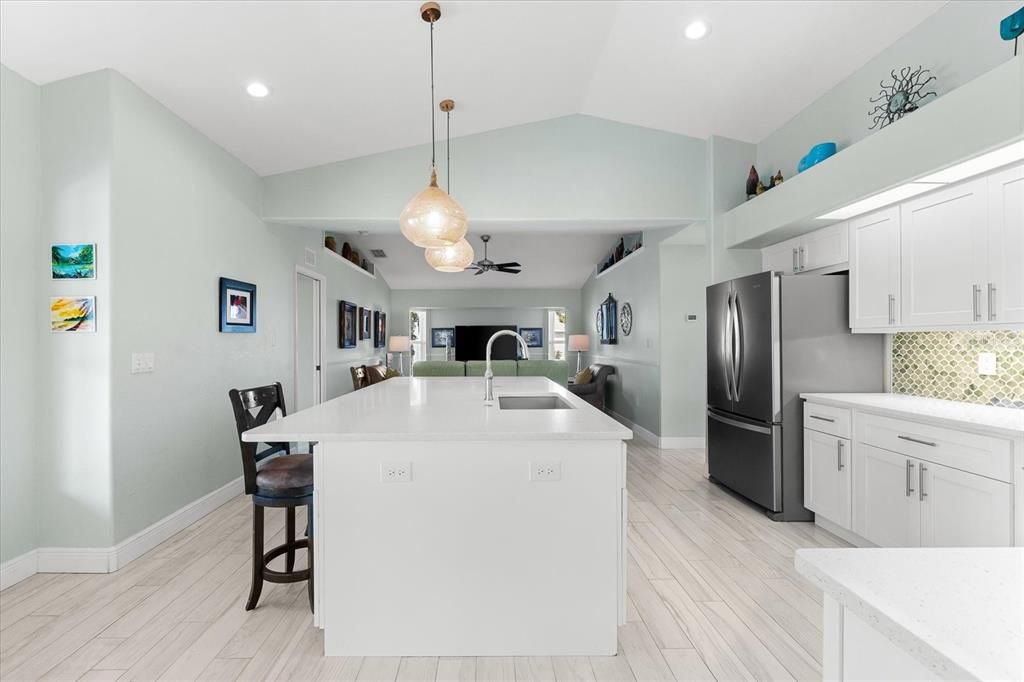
(285, 476)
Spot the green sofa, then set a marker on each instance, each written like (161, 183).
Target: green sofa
(556, 370)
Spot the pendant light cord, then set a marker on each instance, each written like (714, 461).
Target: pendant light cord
(448, 152)
(433, 141)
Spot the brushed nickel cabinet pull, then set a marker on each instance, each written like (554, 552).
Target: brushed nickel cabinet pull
(892, 309)
(976, 301)
(839, 456)
(991, 302)
(920, 482)
(910, 477)
(919, 442)
(824, 419)
(796, 265)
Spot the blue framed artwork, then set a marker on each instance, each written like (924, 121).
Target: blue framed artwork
(442, 337)
(534, 336)
(237, 303)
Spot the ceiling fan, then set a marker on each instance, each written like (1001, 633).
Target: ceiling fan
(485, 264)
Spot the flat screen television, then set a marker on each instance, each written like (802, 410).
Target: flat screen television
(471, 342)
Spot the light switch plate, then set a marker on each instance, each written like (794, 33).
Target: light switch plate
(987, 365)
(143, 363)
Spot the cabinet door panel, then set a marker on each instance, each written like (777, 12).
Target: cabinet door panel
(779, 258)
(1004, 294)
(886, 510)
(959, 509)
(943, 256)
(827, 476)
(875, 269)
(826, 247)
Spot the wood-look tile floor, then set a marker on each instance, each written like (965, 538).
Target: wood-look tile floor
(712, 595)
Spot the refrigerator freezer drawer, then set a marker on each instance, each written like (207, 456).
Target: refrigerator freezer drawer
(746, 457)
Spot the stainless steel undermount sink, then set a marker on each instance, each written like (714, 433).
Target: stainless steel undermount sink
(542, 401)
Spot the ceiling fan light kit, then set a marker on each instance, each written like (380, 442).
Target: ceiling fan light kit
(432, 218)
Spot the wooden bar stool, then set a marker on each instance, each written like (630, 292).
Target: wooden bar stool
(284, 480)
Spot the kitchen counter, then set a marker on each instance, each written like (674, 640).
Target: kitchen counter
(957, 612)
(998, 421)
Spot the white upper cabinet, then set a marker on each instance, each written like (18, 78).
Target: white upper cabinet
(824, 248)
(1004, 292)
(944, 252)
(779, 258)
(875, 269)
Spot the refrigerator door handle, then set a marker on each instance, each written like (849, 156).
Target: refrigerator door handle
(737, 351)
(738, 424)
(728, 340)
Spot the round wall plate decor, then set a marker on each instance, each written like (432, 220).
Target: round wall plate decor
(626, 319)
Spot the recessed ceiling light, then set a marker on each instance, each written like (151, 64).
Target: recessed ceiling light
(696, 30)
(257, 89)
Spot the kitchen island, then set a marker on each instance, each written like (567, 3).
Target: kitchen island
(446, 527)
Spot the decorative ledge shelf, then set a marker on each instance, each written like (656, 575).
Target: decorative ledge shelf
(335, 256)
(624, 259)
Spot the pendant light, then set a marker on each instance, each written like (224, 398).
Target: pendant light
(458, 256)
(432, 218)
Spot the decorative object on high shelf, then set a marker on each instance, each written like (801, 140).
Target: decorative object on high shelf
(73, 314)
(485, 264)
(73, 261)
(380, 327)
(775, 180)
(818, 153)
(761, 189)
(620, 250)
(354, 257)
(607, 321)
(346, 251)
(365, 330)
(458, 256)
(442, 337)
(331, 243)
(400, 345)
(432, 218)
(579, 343)
(900, 97)
(237, 303)
(1012, 27)
(753, 180)
(628, 244)
(626, 319)
(348, 325)
(534, 336)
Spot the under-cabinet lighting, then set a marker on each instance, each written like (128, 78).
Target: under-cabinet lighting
(889, 196)
(979, 164)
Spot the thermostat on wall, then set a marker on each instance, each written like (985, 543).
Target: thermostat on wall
(691, 317)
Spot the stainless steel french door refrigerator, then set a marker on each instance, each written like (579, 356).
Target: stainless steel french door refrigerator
(771, 337)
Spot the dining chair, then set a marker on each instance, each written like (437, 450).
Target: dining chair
(274, 477)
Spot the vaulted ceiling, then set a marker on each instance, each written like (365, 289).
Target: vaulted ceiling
(349, 79)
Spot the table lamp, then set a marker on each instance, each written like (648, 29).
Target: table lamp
(400, 345)
(579, 343)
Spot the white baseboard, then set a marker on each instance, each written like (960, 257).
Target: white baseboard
(841, 533)
(13, 571)
(109, 559)
(661, 442)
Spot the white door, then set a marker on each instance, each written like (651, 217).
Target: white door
(307, 342)
(886, 510)
(1004, 294)
(959, 509)
(780, 258)
(943, 256)
(875, 269)
(827, 476)
(825, 247)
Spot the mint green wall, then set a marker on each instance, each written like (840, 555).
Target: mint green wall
(683, 276)
(21, 308)
(572, 168)
(729, 163)
(957, 43)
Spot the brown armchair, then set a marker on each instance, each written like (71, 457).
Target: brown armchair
(594, 391)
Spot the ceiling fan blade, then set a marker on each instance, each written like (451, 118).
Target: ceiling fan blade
(507, 265)
(508, 271)
(480, 271)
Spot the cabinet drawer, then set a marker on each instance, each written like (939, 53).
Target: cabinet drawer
(827, 419)
(977, 454)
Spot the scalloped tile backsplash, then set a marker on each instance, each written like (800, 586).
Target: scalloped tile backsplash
(945, 365)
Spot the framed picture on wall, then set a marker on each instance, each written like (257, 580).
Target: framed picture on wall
(380, 329)
(365, 324)
(237, 304)
(348, 324)
(72, 261)
(442, 337)
(534, 336)
(73, 314)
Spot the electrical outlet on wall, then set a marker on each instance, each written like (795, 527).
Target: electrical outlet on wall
(987, 365)
(395, 472)
(547, 470)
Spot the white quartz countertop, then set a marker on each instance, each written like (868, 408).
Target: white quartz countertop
(1001, 421)
(957, 611)
(442, 408)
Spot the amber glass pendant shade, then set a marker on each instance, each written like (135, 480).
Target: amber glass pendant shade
(432, 218)
(455, 258)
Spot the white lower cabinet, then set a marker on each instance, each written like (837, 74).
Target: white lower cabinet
(827, 476)
(959, 509)
(886, 510)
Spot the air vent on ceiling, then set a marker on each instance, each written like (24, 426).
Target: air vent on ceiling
(378, 253)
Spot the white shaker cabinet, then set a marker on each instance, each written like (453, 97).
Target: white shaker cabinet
(875, 269)
(818, 250)
(943, 255)
(827, 476)
(886, 511)
(1004, 294)
(959, 509)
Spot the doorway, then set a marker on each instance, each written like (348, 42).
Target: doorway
(309, 334)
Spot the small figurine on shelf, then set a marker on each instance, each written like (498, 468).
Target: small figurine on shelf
(760, 189)
(752, 182)
(620, 250)
(776, 180)
(331, 243)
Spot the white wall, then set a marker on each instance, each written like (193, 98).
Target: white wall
(729, 162)
(683, 278)
(22, 308)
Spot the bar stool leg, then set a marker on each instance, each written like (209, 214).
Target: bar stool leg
(257, 557)
(289, 538)
(309, 551)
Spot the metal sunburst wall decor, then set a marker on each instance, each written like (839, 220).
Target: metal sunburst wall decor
(902, 96)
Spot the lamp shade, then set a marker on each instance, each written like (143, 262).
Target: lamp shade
(455, 258)
(398, 344)
(432, 218)
(579, 342)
